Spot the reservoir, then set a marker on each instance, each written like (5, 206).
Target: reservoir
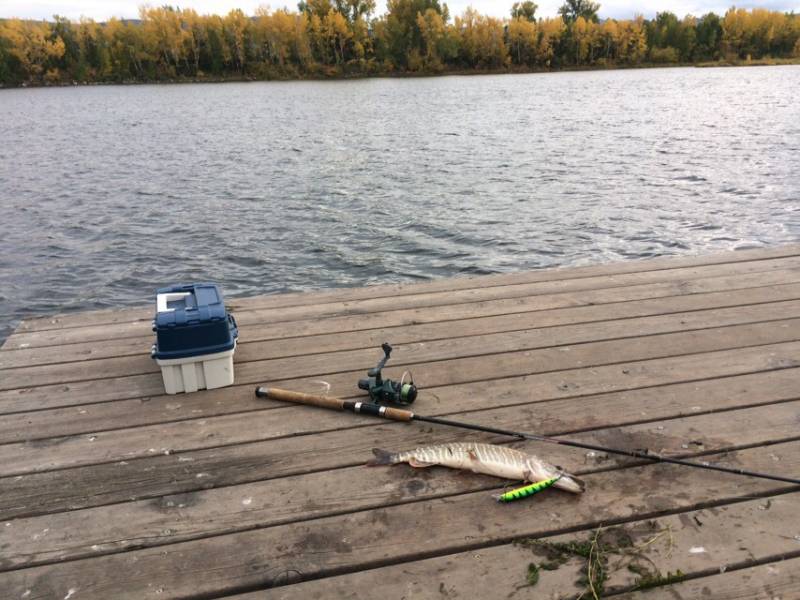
(108, 192)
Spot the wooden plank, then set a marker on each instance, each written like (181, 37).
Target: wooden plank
(389, 535)
(249, 347)
(64, 452)
(111, 316)
(19, 427)
(772, 581)
(642, 401)
(120, 527)
(49, 423)
(332, 367)
(521, 338)
(500, 571)
(559, 384)
(569, 293)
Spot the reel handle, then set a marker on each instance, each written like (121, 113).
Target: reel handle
(367, 408)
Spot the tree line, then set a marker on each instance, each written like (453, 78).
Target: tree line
(335, 38)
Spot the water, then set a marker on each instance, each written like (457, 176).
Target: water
(108, 192)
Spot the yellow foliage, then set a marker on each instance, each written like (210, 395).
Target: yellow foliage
(326, 35)
(482, 39)
(523, 39)
(30, 45)
(336, 32)
(433, 30)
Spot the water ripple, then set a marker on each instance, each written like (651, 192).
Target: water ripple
(112, 191)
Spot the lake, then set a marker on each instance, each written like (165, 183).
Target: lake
(109, 192)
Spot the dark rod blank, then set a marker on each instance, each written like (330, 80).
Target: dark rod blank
(397, 414)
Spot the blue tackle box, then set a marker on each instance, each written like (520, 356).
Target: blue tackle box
(195, 337)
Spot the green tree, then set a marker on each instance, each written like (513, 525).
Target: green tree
(524, 10)
(401, 32)
(572, 9)
(708, 36)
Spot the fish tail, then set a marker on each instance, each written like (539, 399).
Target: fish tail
(382, 457)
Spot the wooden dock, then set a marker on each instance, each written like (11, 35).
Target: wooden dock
(111, 490)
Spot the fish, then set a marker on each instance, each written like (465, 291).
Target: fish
(488, 459)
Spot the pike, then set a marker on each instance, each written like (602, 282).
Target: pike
(490, 459)
(400, 414)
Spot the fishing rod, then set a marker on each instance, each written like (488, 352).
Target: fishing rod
(401, 414)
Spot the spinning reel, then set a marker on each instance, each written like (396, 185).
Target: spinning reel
(386, 390)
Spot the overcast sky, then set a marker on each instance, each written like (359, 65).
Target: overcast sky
(620, 9)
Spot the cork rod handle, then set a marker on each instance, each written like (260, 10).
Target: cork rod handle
(367, 408)
(300, 398)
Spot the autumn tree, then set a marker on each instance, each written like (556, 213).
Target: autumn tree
(31, 46)
(433, 30)
(631, 41)
(337, 34)
(235, 28)
(523, 39)
(320, 8)
(482, 40)
(332, 37)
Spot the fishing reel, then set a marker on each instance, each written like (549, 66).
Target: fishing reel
(386, 390)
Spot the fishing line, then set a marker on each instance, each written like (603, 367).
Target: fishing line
(400, 414)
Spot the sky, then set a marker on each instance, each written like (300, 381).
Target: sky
(101, 10)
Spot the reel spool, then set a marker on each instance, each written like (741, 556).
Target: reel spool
(387, 390)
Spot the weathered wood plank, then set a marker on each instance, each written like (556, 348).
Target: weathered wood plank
(667, 382)
(524, 339)
(353, 542)
(500, 571)
(332, 367)
(249, 347)
(59, 422)
(556, 385)
(121, 527)
(640, 401)
(64, 452)
(563, 293)
(772, 581)
(111, 316)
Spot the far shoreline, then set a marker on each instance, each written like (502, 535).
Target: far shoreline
(343, 76)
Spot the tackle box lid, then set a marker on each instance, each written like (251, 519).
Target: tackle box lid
(191, 320)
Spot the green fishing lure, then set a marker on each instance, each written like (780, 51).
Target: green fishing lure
(527, 490)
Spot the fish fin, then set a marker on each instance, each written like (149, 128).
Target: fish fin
(472, 454)
(382, 457)
(418, 464)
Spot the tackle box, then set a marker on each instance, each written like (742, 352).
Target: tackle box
(195, 338)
